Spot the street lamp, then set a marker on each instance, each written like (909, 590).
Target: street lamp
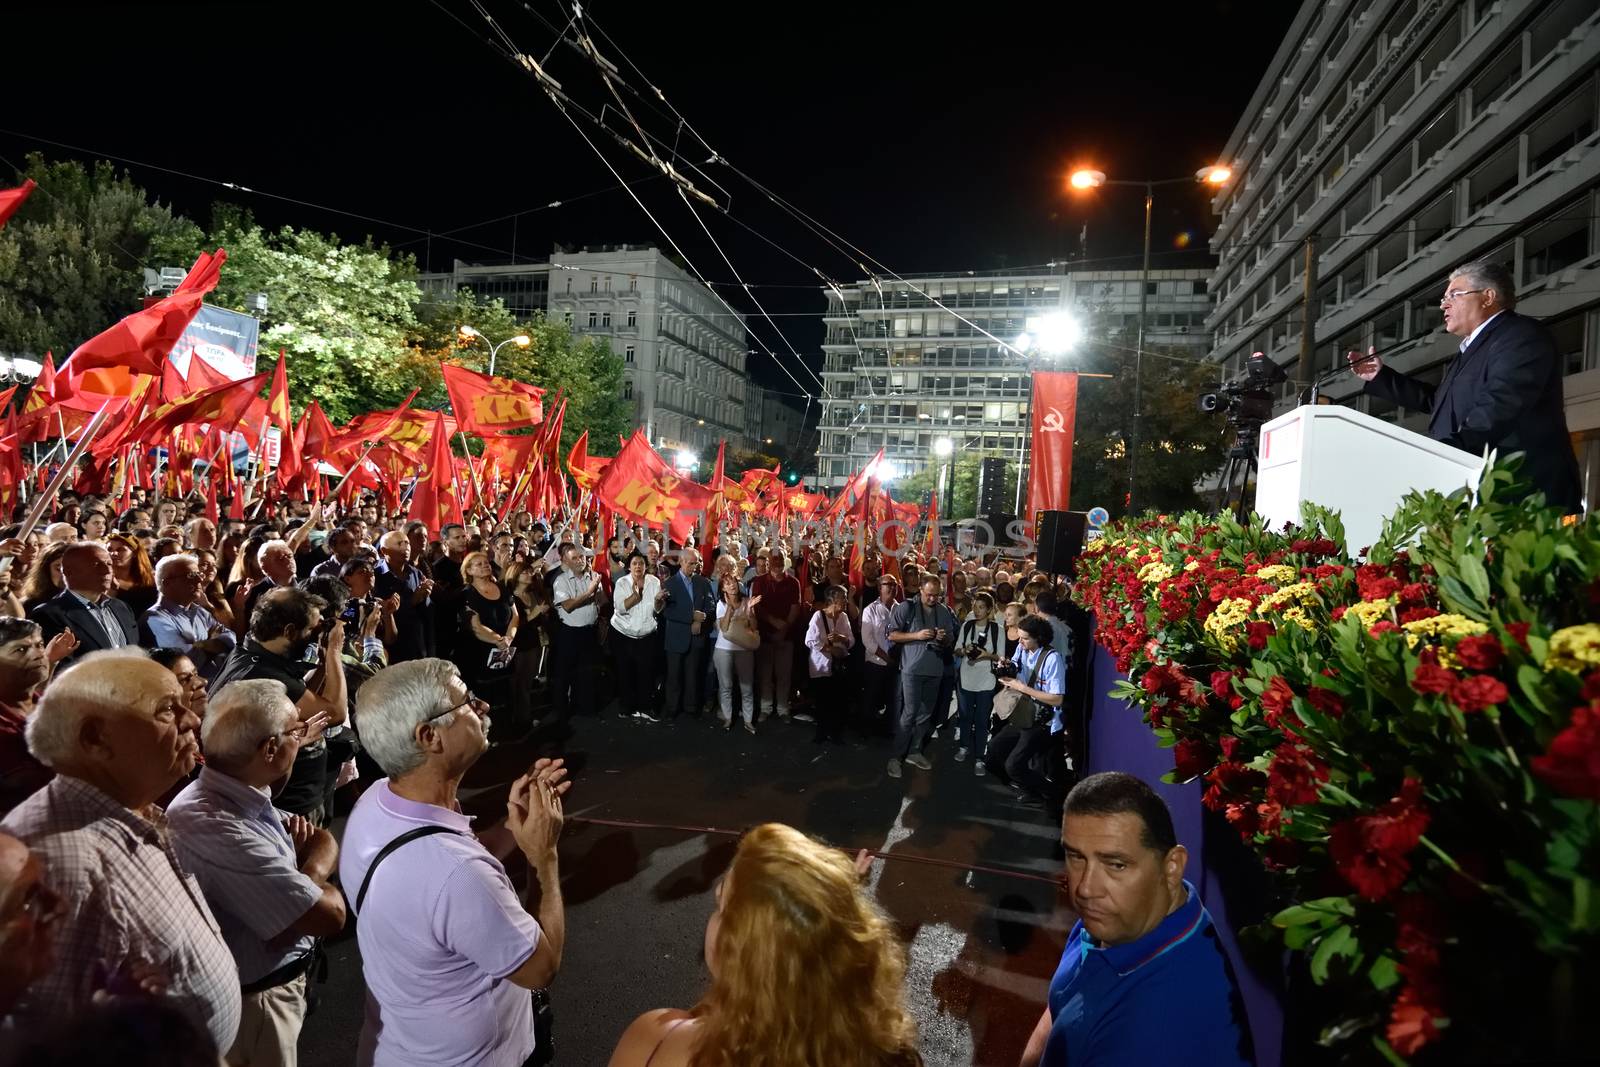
(685, 460)
(944, 448)
(1084, 179)
(471, 333)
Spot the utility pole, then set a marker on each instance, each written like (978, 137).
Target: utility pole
(1308, 327)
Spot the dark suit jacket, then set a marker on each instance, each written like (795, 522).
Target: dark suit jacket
(66, 612)
(1504, 393)
(413, 623)
(680, 609)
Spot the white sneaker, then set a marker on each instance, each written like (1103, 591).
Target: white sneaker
(801, 716)
(894, 768)
(979, 769)
(919, 761)
(961, 755)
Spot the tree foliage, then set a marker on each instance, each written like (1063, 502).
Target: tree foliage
(961, 496)
(72, 259)
(582, 369)
(1179, 446)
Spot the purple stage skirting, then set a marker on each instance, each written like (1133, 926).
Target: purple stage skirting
(1226, 874)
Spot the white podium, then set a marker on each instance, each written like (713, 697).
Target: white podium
(1352, 463)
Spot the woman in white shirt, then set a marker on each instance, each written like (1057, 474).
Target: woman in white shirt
(636, 598)
(734, 654)
(829, 639)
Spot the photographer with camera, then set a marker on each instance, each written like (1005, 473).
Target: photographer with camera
(980, 644)
(286, 631)
(1038, 675)
(925, 631)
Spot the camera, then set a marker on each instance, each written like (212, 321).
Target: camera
(1005, 670)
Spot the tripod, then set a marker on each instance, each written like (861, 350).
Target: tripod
(1241, 465)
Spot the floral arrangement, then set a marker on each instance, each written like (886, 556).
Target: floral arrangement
(1409, 739)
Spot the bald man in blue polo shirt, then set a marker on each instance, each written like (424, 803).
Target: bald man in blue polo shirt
(1143, 979)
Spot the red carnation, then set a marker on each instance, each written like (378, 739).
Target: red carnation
(1371, 872)
(1326, 701)
(1258, 632)
(1229, 743)
(1384, 626)
(1243, 818)
(1229, 782)
(1571, 765)
(1191, 758)
(1412, 1021)
(1432, 678)
(1519, 633)
(1338, 613)
(1282, 853)
(1278, 697)
(1293, 776)
(1480, 653)
(1222, 686)
(1417, 614)
(1414, 593)
(1477, 692)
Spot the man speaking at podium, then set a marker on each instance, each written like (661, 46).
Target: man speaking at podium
(1504, 389)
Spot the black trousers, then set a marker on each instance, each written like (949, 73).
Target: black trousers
(1012, 753)
(686, 675)
(634, 662)
(572, 661)
(877, 697)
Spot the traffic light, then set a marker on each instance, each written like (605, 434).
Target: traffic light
(791, 477)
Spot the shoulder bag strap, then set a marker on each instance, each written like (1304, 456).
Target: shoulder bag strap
(383, 853)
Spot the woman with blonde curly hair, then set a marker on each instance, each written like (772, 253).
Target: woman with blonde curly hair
(805, 970)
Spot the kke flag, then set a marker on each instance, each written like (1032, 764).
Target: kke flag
(1055, 414)
(142, 340)
(639, 484)
(485, 405)
(221, 408)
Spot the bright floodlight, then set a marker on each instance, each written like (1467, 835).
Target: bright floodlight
(1056, 333)
(685, 460)
(469, 331)
(26, 368)
(943, 446)
(1087, 179)
(1023, 343)
(522, 340)
(1217, 174)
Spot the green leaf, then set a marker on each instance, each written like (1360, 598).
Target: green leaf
(1339, 941)
(1322, 910)
(1384, 972)
(1475, 577)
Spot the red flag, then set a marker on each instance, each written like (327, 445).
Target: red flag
(212, 512)
(855, 488)
(202, 375)
(392, 427)
(11, 199)
(278, 398)
(11, 466)
(931, 546)
(586, 470)
(487, 405)
(173, 384)
(221, 408)
(431, 500)
(1055, 413)
(140, 342)
(713, 517)
(640, 485)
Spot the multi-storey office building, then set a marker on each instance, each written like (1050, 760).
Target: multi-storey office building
(1406, 137)
(683, 352)
(902, 371)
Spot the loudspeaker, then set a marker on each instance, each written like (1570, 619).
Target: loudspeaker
(998, 521)
(991, 486)
(1060, 536)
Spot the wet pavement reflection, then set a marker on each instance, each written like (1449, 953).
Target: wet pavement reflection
(983, 928)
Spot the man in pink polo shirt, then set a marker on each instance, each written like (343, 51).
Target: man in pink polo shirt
(448, 950)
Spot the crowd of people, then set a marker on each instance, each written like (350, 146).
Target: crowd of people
(184, 706)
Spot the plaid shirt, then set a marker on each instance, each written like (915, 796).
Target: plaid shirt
(128, 899)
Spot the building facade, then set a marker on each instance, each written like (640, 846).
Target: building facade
(683, 352)
(901, 371)
(1405, 137)
(775, 420)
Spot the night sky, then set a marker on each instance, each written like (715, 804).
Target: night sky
(934, 138)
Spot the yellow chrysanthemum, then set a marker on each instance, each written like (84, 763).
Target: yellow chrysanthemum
(1227, 616)
(1299, 617)
(1575, 649)
(1370, 611)
(1151, 573)
(1278, 572)
(1192, 565)
(1289, 594)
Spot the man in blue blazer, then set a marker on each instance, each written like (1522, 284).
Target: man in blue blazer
(690, 614)
(1504, 391)
(86, 607)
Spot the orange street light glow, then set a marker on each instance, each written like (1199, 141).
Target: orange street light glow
(1215, 175)
(1086, 179)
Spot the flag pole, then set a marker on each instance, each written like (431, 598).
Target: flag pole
(36, 513)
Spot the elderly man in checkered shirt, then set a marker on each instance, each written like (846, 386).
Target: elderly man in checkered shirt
(115, 730)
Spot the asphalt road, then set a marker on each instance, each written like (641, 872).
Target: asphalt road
(981, 944)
